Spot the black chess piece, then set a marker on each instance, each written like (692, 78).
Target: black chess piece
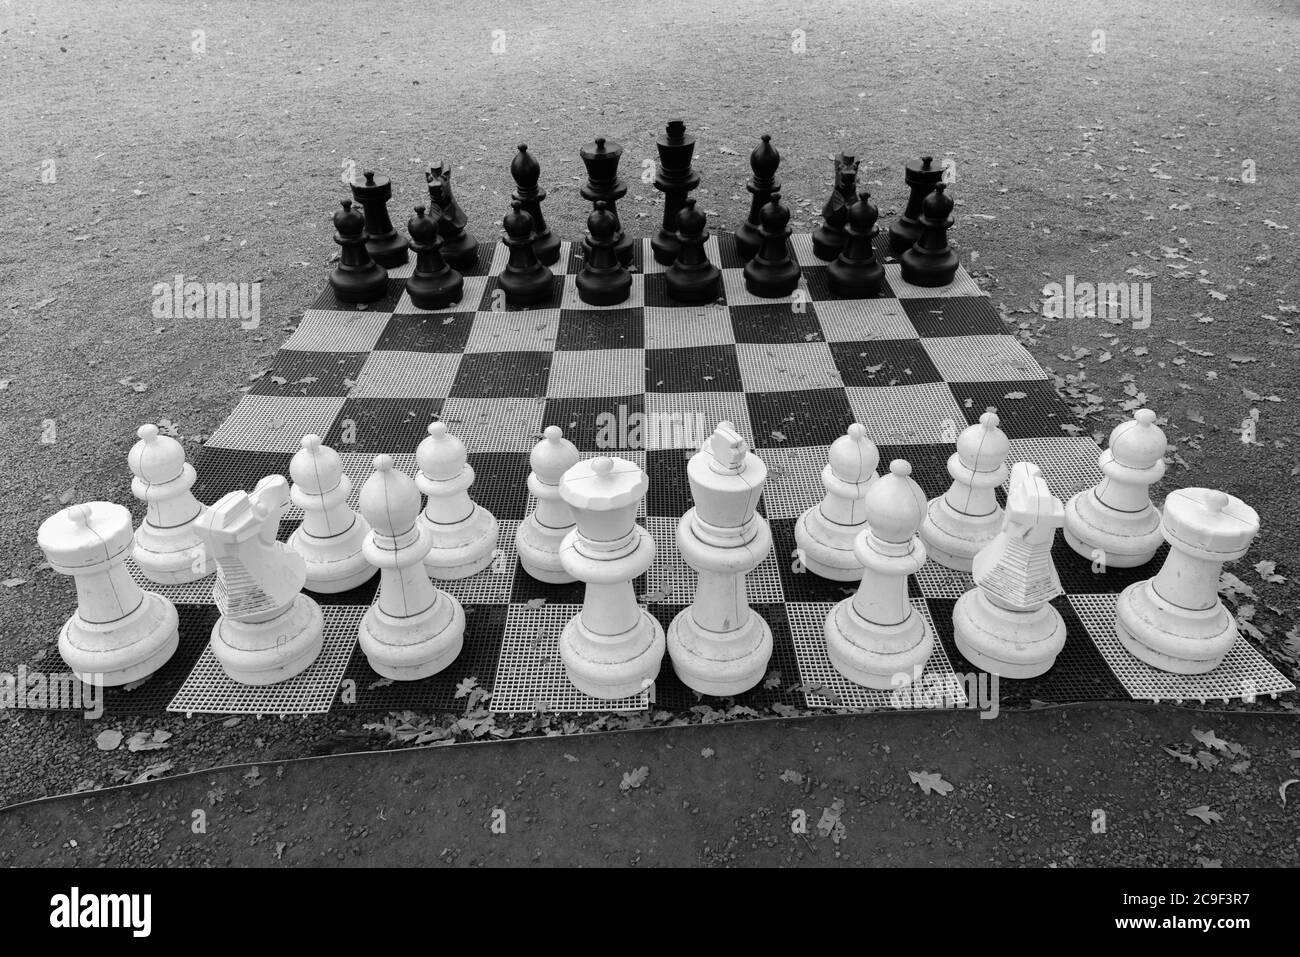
(382, 242)
(459, 247)
(525, 281)
(692, 278)
(773, 273)
(855, 273)
(921, 179)
(675, 179)
(931, 262)
(433, 284)
(763, 161)
(358, 278)
(603, 280)
(526, 171)
(828, 238)
(601, 159)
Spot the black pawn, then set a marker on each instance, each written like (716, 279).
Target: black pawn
(921, 179)
(459, 247)
(525, 281)
(692, 278)
(773, 273)
(675, 179)
(358, 278)
(930, 262)
(855, 273)
(433, 284)
(526, 171)
(828, 238)
(764, 162)
(603, 280)
(601, 159)
(382, 242)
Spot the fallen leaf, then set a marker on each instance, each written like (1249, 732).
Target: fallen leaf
(1281, 790)
(929, 782)
(634, 779)
(1205, 814)
(108, 740)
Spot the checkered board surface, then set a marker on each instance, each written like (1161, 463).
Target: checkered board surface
(914, 365)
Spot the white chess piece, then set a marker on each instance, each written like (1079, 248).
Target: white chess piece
(331, 534)
(119, 633)
(826, 532)
(539, 535)
(268, 630)
(1005, 624)
(414, 629)
(719, 645)
(613, 648)
(463, 534)
(1114, 521)
(877, 639)
(965, 518)
(1175, 621)
(168, 548)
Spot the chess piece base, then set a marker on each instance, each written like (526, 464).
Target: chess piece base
(364, 284)
(827, 243)
(855, 282)
(1004, 642)
(902, 235)
(334, 564)
(437, 291)
(547, 249)
(953, 539)
(612, 666)
(460, 254)
(526, 288)
(826, 548)
(604, 289)
(716, 663)
(931, 270)
(748, 241)
(120, 652)
(873, 655)
(266, 652)
(1179, 640)
(389, 251)
(1126, 539)
(694, 287)
(768, 281)
(408, 649)
(171, 556)
(463, 548)
(539, 551)
(665, 247)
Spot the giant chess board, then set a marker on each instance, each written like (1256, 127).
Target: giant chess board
(648, 380)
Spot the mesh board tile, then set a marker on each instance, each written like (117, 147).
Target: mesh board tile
(263, 423)
(406, 375)
(471, 295)
(601, 372)
(685, 420)
(921, 414)
(404, 270)
(651, 266)
(953, 316)
(635, 299)
(1068, 464)
(938, 581)
(671, 581)
(1244, 673)
(530, 675)
(801, 248)
(534, 330)
(326, 331)
(209, 690)
(495, 425)
(788, 367)
(824, 687)
(961, 285)
(685, 326)
(793, 480)
(864, 320)
(733, 283)
(493, 584)
(982, 359)
(190, 593)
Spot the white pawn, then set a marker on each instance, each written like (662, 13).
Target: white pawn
(612, 648)
(119, 633)
(414, 629)
(877, 639)
(965, 518)
(1005, 624)
(268, 630)
(1114, 521)
(463, 534)
(168, 548)
(539, 535)
(718, 645)
(826, 532)
(331, 534)
(1175, 621)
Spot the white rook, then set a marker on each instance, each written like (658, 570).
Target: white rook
(965, 518)
(463, 533)
(331, 534)
(168, 548)
(538, 538)
(719, 645)
(826, 532)
(119, 633)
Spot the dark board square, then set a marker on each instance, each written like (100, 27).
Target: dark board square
(527, 588)
(953, 316)
(1034, 411)
(811, 417)
(670, 490)
(819, 285)
(382, 425)
(224, 470)
(656, 292)
(153, 696)
(776, 322)
(426, 332)
(728, 254)
(310, 374)
(494, 297)
(693, 369)
(496, 375)
(328, 301)
(486, 252)
(501, 483)
(1081, 576)
(605, 425)
(600, 329)
(797, 582)
(884, 362)
(929, 465)
(363, 594)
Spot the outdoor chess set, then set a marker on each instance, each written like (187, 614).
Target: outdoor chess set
(738, 407)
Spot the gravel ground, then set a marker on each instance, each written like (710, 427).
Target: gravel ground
(1163, 158)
